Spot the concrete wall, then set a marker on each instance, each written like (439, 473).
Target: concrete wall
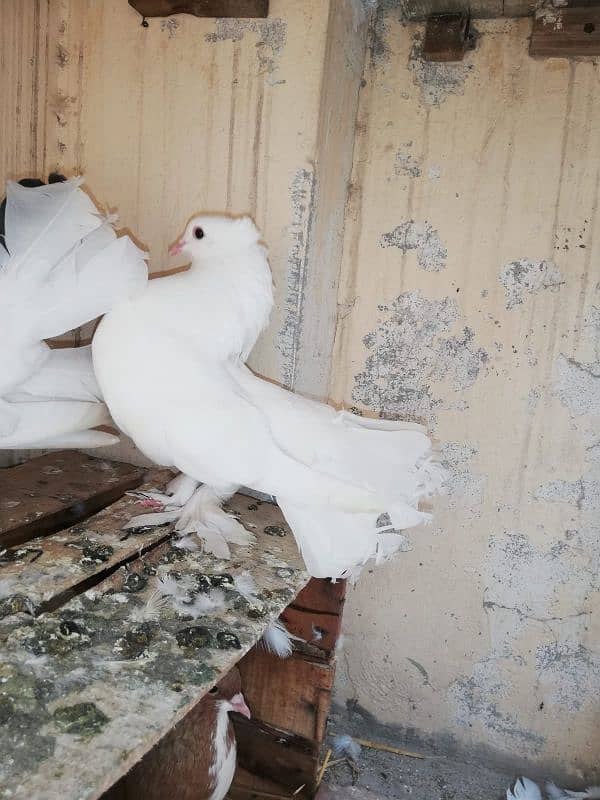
(469, 300)
(457, 286)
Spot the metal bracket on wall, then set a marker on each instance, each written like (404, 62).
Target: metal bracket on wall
(243, 9)
(565, 32)
(447, 37)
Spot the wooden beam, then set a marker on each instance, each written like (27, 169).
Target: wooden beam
(566, 32)
(56, 490)
(446, 37)
(243, 9)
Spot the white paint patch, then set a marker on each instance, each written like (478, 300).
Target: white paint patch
(578, 386)
(271, 37)
(569, 674)
(465, 488)
(528, 277)
(421, 237)
(479, 698)
(583, 493)
(436, 80)
(406, 165)
(288, 339)
(408, 355)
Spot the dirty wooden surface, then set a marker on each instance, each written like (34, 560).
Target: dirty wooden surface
(566, 32)
(202, 8)
(89, 688)
(56, 490)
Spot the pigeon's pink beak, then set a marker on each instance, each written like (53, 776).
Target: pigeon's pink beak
(239, 704)
(176, 248)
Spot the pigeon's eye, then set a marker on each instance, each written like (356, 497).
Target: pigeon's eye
(214, 689)
(198, 233)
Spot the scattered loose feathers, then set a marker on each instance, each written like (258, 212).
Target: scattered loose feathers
(187, 600)
(63, 266)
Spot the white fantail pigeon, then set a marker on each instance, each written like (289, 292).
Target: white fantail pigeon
(61, 266)
(334, 474)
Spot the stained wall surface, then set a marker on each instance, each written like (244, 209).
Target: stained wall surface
(469, 300)
(434, 257)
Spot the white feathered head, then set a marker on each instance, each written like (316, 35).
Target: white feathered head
(210, 235)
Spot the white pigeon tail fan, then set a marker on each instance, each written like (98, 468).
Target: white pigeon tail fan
(347, 485)
(65, 267)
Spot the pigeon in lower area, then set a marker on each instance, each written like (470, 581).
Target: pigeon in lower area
(61, 265)
(526, 789)
(202, 749)
(170, 364)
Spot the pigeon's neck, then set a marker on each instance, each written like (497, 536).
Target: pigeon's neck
(222, 768)
(240, 291)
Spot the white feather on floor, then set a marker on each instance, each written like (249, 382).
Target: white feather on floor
(344, 745)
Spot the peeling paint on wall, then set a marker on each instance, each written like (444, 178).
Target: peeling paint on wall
(271, 35)
(436, 80)
(464, 487)
(528, 277)
(407, 165)
(407, 356)
(421, 237)
(583, 493)
(578, 386)
(569, 673)
(477, 699)
(302, 204)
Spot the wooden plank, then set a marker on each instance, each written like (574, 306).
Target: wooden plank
(323, 596)
(288, 760)
(566, 32)
(293, 694)
(446, 37)
(202, 8)
(91, 687)
(44, 573)
(59, 489)
(319, 631)
(247, 786)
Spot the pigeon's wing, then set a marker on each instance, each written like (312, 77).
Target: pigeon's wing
(66, 374)
(392, 460)
(335, 475)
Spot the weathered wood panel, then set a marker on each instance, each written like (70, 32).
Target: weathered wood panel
(202, 8)
(566, 32)
(290, 694)
(56, 490)
(117, 669)
(45, 572)
(288, 760)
